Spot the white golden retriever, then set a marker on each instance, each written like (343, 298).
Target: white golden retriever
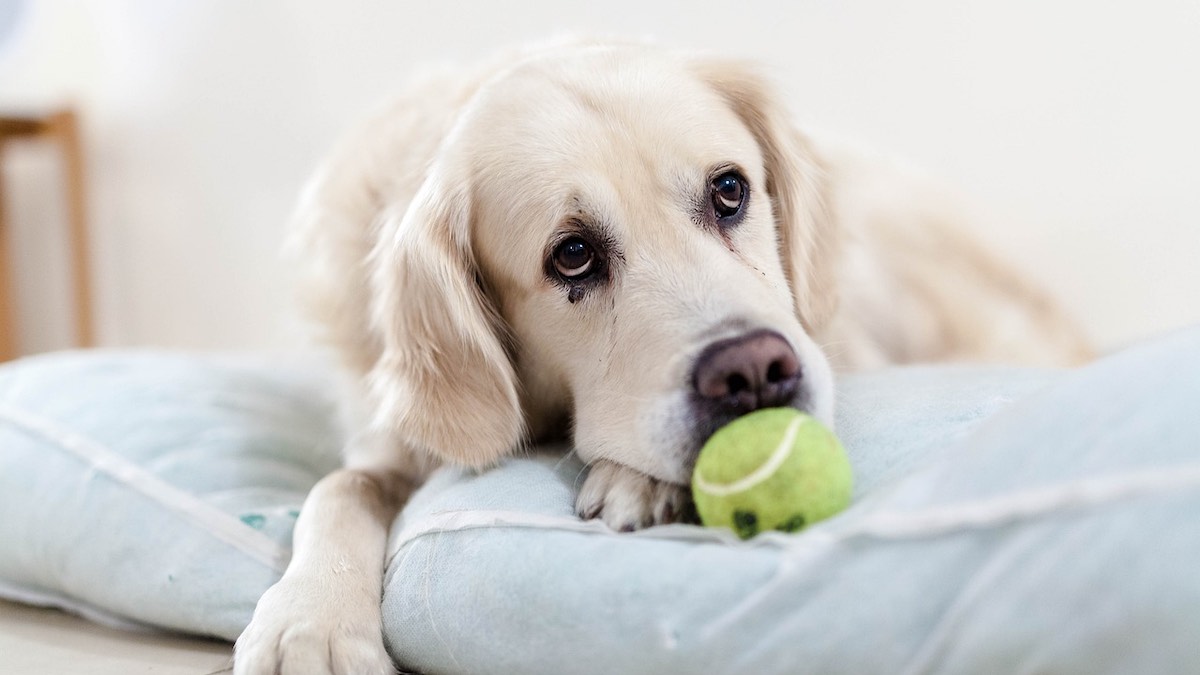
(617, 242)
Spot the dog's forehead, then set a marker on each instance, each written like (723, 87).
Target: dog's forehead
(603, 111)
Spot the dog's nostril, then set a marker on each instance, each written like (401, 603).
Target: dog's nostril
(737, 383)
(775, 372)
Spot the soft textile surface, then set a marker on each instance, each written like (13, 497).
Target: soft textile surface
(1004, 521)
(1000, 527)
(155, 488)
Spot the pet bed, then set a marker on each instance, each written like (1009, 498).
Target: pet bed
(1004, 520)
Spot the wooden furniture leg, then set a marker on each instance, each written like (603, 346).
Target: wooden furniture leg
(63, 128)
(8, 310)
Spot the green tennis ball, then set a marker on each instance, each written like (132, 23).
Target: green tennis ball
(773, 469)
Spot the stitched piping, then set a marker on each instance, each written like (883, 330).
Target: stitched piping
(212, 520)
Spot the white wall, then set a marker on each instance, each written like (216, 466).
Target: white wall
(1075, 122)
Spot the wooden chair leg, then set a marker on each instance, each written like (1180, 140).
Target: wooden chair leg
(62, 127)
(8, 309)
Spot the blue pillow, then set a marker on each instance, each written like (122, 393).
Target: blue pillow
(155, 489)
(1004, 520)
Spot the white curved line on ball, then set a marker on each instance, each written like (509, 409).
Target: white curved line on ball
(763, 472)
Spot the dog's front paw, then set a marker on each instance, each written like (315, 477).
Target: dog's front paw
(298, 628)
(628, 500)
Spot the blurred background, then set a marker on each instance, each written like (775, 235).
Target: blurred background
(1072, 124)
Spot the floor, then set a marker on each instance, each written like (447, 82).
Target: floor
(36, 641)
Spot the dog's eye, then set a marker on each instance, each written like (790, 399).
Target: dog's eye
(728, 194)
(574, 259)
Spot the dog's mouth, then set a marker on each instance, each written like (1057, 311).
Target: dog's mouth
(705, 423)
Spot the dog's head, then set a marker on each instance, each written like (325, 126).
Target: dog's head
(615, 238)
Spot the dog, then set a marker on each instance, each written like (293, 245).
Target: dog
(617, 243)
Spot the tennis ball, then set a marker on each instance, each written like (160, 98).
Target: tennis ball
(773, 469)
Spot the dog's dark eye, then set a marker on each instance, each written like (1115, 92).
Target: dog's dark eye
(574, 259)
(728, 194)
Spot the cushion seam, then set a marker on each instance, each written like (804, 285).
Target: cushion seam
(1056, 499)
(102, 459)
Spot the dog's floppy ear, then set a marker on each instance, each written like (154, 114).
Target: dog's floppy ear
(444, 382)
(794, 182)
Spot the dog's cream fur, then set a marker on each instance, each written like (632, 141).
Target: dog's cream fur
(427, 235)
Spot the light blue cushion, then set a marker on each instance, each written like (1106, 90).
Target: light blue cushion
(155, 488)
(1004, 521)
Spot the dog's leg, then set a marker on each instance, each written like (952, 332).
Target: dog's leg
(626, 499)
(324, 615)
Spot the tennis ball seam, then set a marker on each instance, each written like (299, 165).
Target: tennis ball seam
(764, 470)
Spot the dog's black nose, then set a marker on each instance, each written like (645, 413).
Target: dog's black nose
(745, 373)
